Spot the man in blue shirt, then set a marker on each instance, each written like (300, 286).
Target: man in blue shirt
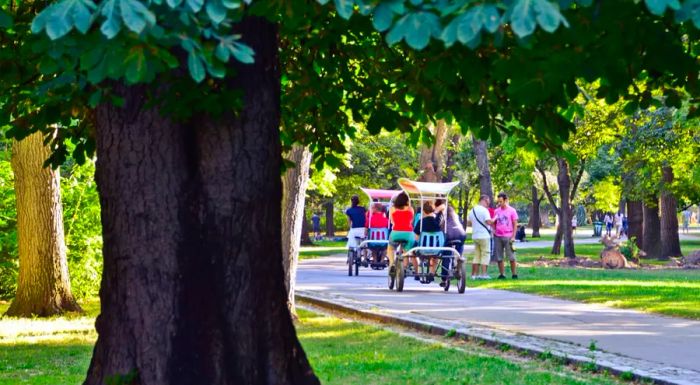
(356, 219)
(316, 220)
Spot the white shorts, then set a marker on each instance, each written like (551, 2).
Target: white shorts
(352, 234)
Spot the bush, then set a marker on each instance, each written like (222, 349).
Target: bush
(629, 249)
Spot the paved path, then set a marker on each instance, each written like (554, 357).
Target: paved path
(660, 341)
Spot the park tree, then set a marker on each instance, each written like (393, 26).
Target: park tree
(182, 158)
(43, 286)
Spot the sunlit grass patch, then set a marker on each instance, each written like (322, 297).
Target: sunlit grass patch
(322, 249)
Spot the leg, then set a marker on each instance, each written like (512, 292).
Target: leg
(513, 268)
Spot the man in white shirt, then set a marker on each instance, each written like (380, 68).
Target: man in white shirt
(480, 220)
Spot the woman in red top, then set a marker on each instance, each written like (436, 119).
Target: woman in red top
(401, 217)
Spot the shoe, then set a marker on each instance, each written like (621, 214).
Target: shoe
(416, 277)
(485, 277)
(431, 277)
(501, 276)
(515, 276)
(392, 271)
(474, 277)
(443, 283)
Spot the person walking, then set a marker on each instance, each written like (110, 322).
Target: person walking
(481, 223)
(618, 224)
(608, 223)
(686, 214)
(506, 221)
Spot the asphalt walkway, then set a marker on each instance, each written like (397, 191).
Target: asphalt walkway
(663, 348)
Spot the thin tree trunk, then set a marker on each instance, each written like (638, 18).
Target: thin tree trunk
(43, 286)
(535, 220)
(305, 230)
(432, 158)
(564, 181)
(652, 230)
(193, 284)
(330, 226)
(482, 164)
(670, 242)
(556, 246)
(449, 173)
(635, 221)
(294, 183)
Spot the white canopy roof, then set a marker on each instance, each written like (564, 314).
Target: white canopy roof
(426, 190)
(381, 195)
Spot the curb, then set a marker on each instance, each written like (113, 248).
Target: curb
(535, 346)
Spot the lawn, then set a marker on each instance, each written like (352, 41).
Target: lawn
(322, 249)
(665, 291)
(57, 352)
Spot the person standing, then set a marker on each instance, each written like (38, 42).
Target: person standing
(618, 224)
(356, 220)
(316, 222)
(506, 221)
(608, 223)
(686, 220)
(481, 222)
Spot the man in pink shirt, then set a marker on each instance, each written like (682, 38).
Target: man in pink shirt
(505, 222)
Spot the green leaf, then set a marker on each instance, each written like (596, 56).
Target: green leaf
(397, 32)
(173, 3)
(135, 15)
(344, 8)
(523, 18)
(420, 27)
(196, 67)
(243, 53)
(658, 7)
(216, 11)
(222, 52)
(5, 19)
(469, 25)
(382, 17)
(548, 15)
(135, 66)
(195, 5)
(95, 99)
(490, 18)
(449, 34)
(112, 24)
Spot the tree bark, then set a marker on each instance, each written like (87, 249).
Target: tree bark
(193, 284)
(670, 241)
(330, 225)
(482, 164)
(43, 285)
(305, 229)
(652, 230)
(635, 221)
(432, 158)
(295, 182)
(535, 220)
(565, 213)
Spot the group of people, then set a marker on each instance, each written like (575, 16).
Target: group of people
(493, 231)
(617, 221)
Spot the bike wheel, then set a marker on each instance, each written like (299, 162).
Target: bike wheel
(351, 261)
(357, 266)
(462, 279)
(400, 276)
(391, 280)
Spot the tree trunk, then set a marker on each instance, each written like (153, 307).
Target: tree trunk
(305, 230)
(564, 181)
(652, 230)
(193, 284)
(556, 246)
(635, 222)
(482, 164)
(535, 220)
(330, 226)
(449, 174)
(432, 159)
(670, 242)
(43, 286)
(294, 183)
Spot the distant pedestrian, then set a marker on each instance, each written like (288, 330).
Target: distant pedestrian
(574, 223)
(608, 223)
(481, 222)
(625, 225)
(506, 220)
(686, 214)
(316, 221)
(618, 224)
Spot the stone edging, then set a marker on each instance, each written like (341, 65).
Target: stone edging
(614, 363)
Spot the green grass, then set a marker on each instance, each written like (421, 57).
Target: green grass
(322, 249)
(351, 353)
(57, 351)
(663, 291)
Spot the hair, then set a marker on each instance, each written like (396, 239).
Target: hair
(378, 207)
(401, 200)
(484, 198)
(428, 207)
(439, 202)
(355, 200)
(502, 195)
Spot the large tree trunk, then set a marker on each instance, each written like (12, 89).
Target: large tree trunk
(535, 220)
(635, 221)
(652, 230)
(482, 164)
(564, 181)
(43, 287)
(294, 183)
(330, 225)
(670, 242)
(193, 284)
